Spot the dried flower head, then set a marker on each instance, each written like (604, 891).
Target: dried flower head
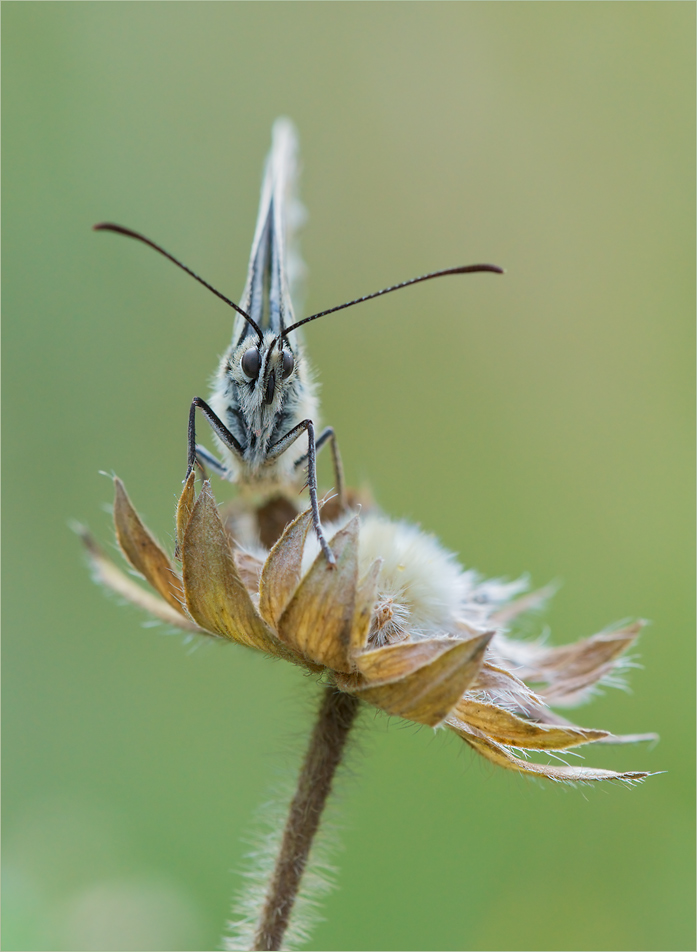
(397, 622)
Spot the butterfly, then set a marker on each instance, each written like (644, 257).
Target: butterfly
(264, 404)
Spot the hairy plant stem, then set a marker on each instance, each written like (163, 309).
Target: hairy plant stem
(334, 721)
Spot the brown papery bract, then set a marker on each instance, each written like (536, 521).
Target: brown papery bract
(463, 672)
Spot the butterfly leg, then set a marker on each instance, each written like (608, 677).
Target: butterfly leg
(279, 447)
(198, 453)
(204, 458)
(329, 436)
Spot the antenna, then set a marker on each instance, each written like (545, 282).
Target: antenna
(120, 230)
(465, 269)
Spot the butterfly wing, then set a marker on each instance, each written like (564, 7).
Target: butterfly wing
(275, 266)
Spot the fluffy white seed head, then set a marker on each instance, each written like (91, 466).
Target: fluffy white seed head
(420, 581)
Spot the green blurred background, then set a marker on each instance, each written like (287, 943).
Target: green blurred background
(539, 422)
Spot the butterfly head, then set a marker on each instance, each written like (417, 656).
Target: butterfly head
(264, 369)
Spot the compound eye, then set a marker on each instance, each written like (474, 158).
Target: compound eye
(251, 362)
(288, 364)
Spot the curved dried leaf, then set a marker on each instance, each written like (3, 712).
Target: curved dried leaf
(507, 728)
(317, 622)
(422, 688)
(502, 757)
(106, 573)
(143, 552)
(185, 507)
(366, 595)
(215, 594)
(282, 570)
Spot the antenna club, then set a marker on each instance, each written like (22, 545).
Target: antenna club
(119, 229)
(470, 268)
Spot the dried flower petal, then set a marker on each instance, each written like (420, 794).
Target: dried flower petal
(502, 757)
(366, 595)
(576, 691)
(507, 728)
(504, 688)
(523, 604)
(215, 594)
(250, 567)
(106, 573)
(317, 622)
(572, 671)
(282, 569)
(581, 659)
(143, 552)
(422, 680)
(185, 507)
(618, 739)
(542, 714)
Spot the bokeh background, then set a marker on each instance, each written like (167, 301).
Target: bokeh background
(541, 422)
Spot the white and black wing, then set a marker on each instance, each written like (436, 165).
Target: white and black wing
(275, 266)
